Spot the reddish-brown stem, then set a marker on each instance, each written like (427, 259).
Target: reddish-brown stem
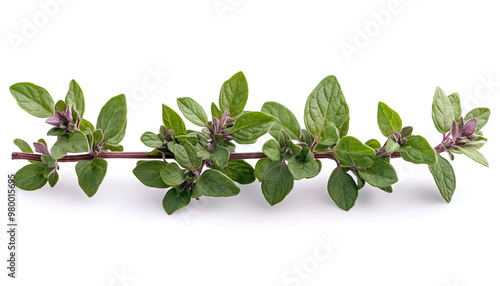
(144, 155)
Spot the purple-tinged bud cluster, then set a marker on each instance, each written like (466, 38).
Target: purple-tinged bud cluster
(64, 120)
(42, 149)
(461, 134)
(219, 128)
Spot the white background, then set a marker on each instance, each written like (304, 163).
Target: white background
(122, 236)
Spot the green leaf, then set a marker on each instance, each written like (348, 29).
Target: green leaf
(45, 143)
(175, 200)
(328, 137)
(234, 94)
(326, 104)
(474, 154)
(442, 111)
(300, 169)
(84, 124)
(344, 129)
(119, 137)
(481, 113)
(25, 147)
(215, 111)
(342, 189)
(455, 103)
(272, 150)
(112, 117)
(75, 97)
(352, 152)
(250, 126)
(48, 160)
(53, 178)
(391, 146)
(75, 142)
(90, 175)
(186, 155)
(238, 171)
(444, 176)
(277, 182)
(172, 175)
(388, 119)
(30, 177)
(213, 183)
(285, 120)
(112, 147)
(173, 121)
(220, 156)
(373, 143)
(98, 136)
(149, 173)
(381, 174)
(192, 111)
(387, 189)
(418, 151)
(151, 140)
(33, 99)
(60, 105)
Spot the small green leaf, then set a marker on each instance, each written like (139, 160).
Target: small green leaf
(75, 97)
(329, 136)
(234, 94)
(277, 182)
(442, 111)
(112, 117)
(238, 171)
(75, 142)
(300, 169)
(444, 176)
(455, 103)
(151, 140)
(481, 113)
(342, 189)
(285, 120)
(172, 120)
(220, 156)
(90, 175)
(186, 155)
(213, 183)
(172, 175)
(272, 150)
(215, 111)
(53, 178)
(175, 200)
(25, 147)
(250, 126)
(373, 143)
(344, 128)
(84, 124)
(474, 154)
(192, 111)
(326, 104)
(48, 160)
(60, 105)
(33, 99)
(351, 152)
(418, 151)
(45, 143)
(381, 174)
(388, 119)
(149, 173)
(391, 146)
(30, 177)
(112, 147)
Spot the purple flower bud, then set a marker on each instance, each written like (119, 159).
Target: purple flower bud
(54, 120)
(455, 130)
(470, 127)
(41, 148)
(472, 137)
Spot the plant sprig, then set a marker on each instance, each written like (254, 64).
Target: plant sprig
(201, 163)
